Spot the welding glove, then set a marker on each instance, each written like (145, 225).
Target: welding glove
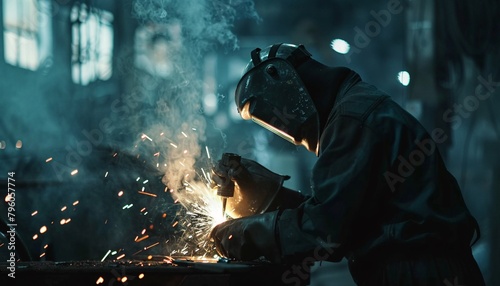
(248, 238)
(256, 187)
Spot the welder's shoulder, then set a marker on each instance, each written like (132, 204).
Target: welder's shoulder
(359, 101)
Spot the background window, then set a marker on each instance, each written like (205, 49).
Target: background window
(27, 32)
(92, 44)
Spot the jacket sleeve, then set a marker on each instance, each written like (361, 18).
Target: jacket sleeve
(347, 167)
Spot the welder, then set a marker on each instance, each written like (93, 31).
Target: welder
(381, 195)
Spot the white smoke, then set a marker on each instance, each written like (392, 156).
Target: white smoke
(176, 37)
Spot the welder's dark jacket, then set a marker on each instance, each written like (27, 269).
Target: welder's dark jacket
(379, 186)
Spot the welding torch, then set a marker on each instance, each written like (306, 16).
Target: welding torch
(226, 188)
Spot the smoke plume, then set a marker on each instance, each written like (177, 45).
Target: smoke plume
(175, 37)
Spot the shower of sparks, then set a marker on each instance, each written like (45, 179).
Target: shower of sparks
(203, 211)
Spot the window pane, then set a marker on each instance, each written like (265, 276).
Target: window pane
(10, 47)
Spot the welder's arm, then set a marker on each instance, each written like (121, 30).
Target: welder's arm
(322, 226)
(343, 179)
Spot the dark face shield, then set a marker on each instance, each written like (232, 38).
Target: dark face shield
(273, 95)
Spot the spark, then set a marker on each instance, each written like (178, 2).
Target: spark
(76, 202)
(147, 194)
(48, 160)
(106, 174)
(120, 257)
(173, 145)
(74, 172)
(157, 154)
(175, 223)
(142, 238)
(35, 236)
(127, 206)
(144, 136)
(42, 255)
(145, 182)
(208, 153)
(120, 193)
(124, 279)
(152, 245)
(185, 135)
(8, 197)
(141, 275)
(138, 178)
(205, 175)
(64, 221)
(34, 213)
(63, 208)
(106, 255)
(43, 229)
(100, 280)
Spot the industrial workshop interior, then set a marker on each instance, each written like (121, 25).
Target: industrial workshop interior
(117, 116)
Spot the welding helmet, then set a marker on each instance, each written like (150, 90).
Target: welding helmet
(272, 94)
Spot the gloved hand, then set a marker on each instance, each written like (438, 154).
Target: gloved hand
(255, 186)
(248, 238)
